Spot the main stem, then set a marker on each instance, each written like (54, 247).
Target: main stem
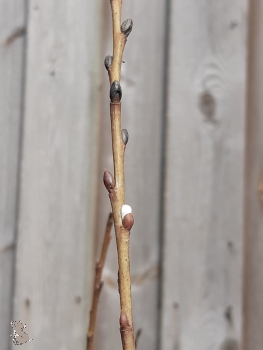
(122, 234)
(116, 186)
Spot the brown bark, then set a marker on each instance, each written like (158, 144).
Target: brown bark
(98, 283)
(115, 185)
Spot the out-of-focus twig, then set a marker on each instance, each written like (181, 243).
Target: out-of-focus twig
(98, 283)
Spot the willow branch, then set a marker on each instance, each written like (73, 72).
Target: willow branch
(98, 283)
(123, 218)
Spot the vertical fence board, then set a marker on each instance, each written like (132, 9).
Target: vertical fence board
(202, 272)
(12, 30)
(142, 84)
(253, 335)
(54, 253)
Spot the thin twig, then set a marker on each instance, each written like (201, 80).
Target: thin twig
(123, 220)
(98, 283)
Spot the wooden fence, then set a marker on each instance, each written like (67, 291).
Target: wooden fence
(192, 102)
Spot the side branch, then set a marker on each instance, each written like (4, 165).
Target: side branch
(98, 284)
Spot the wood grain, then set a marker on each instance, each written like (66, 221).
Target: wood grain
(12, 30)
(142, 83)
(54, 272)
(253, 278)
(202, 271)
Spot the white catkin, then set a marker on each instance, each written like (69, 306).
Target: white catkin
(126, 209)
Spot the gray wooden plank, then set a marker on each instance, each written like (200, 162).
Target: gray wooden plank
(58, 176)
(253, 283)
(12, 30)
(202, 271)
(142, 83)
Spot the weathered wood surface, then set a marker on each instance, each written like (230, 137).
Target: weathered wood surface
(202, 280)
(12, 30)
(204, 274)
(142, 84)
(253, 283)
(55, 244)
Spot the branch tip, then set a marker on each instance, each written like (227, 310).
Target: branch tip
(126, 27)
(115, 92)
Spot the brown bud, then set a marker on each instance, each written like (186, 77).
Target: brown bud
(128, 221)
(126, 27)
(108, 180)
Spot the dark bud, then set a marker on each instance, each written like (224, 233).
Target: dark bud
(126, 27)
(115, 92)
(108, 62)
(108, 180)
(128, 221)
(125, 136)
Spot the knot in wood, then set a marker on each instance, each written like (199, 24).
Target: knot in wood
(207, 105)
